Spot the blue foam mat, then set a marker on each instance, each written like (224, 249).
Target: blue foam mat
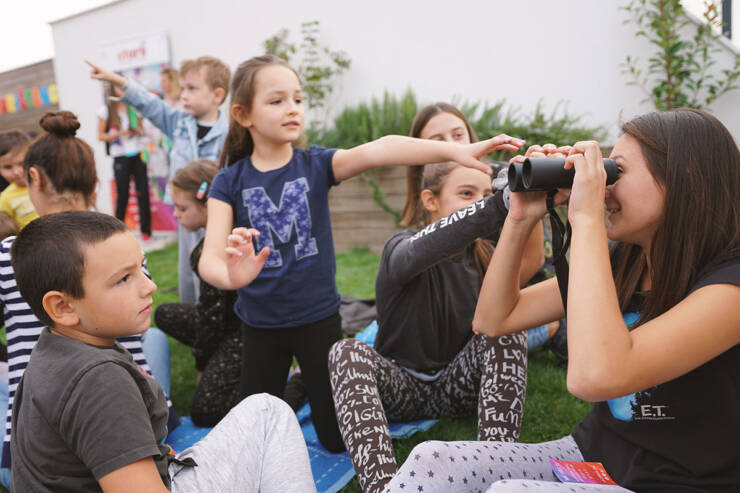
(330, 471)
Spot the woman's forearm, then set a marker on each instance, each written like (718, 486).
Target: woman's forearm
(500, 290)
(598, 339)
(533, 257)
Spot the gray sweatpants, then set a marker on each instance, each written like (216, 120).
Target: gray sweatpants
(492, 467)
(258, 446)
(188, 284)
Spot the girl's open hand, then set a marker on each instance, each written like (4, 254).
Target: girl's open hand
(105, 75)
(589, 183)
(470, 154)
(532, 205)
(241, 261)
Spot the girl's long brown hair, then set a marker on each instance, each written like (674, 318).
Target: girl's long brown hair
(239, 143)
(413, 210)
(695, 160)
(432, 177)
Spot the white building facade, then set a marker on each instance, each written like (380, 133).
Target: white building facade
(524, 51)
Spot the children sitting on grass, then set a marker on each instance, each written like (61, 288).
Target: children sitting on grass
(87, 417)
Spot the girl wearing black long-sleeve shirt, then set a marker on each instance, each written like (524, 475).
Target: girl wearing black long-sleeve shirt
(427, 363)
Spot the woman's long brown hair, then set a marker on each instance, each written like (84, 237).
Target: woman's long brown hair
(694, 158)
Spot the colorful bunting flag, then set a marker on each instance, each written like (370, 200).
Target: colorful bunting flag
(23, 99)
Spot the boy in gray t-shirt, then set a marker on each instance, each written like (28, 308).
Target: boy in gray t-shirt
(86, 416)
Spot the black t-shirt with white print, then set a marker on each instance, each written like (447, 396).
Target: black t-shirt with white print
(679, 436)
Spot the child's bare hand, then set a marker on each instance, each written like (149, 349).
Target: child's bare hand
(524, 205)
(242, 262)
(471, 154)
(547, 150)
(105, 75)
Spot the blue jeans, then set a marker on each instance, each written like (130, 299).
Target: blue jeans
(4, 471)
(157, 351)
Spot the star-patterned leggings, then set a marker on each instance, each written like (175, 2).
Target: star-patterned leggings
(489, 374)
(492, 467)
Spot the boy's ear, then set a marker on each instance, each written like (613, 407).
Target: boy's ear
(429, 200)
(56, 304)
(220, 95)
(240, 114)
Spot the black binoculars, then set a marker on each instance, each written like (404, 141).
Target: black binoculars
(547, 173)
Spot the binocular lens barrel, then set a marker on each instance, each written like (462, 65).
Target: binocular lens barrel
(544, 174)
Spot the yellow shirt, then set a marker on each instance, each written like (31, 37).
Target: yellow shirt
(15, 202)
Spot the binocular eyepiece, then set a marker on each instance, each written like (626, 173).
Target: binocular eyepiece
(545, 174)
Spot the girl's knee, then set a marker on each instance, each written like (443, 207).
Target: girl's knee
(427, 451)
(340, 351)
(262, 402)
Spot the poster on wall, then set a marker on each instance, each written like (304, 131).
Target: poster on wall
(143, 59)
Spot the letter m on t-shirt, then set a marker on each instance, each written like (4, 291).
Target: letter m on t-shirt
(292, 212)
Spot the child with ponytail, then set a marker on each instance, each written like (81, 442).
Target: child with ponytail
(269, 235)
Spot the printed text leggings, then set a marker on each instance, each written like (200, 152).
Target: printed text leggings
(369, 389)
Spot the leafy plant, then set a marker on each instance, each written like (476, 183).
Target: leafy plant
(538, 127)
(389, 115)
(678, 73)
(318, 66)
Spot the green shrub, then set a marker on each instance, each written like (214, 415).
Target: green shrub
(390, 115)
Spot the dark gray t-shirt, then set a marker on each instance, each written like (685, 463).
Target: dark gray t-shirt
(425, 296)
(81, 412)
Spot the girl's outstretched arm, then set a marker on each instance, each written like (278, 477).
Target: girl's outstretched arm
(606, 360)
(228, 260)
(397, 150)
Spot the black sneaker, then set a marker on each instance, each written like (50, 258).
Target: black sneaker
(295, 392)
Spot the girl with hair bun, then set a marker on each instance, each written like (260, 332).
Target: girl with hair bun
(61, 176)
(426, 361)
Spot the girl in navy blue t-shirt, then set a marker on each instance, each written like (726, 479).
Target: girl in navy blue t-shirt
(269, 234)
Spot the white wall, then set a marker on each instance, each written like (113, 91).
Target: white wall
(522, 51)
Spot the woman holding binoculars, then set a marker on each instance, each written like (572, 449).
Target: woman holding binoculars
(653, 322)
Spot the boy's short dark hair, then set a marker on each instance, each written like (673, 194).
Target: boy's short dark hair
(215, 72)
(47, 255)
